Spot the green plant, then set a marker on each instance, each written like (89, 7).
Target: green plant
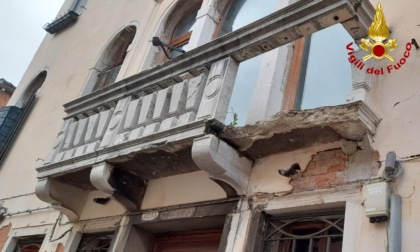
(235, 119)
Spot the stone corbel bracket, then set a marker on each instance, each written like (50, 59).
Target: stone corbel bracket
(63, 197)
(223, 164)
(127, 188)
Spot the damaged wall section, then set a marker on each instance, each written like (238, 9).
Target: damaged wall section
(333, 167)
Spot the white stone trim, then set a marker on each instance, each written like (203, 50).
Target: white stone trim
(14, 235)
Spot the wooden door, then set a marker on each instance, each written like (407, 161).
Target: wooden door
(198, 241)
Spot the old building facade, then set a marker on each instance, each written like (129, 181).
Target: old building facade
(209, 150)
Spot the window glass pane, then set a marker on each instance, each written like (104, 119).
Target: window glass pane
(246, 80)
(186, 24)
(328, 75)
(174, 53)
(239, 14)
(243, 12)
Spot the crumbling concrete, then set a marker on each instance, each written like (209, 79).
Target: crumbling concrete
(292, 130)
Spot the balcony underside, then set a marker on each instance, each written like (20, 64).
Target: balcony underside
(292, 130)
(153, 164)
(286, 131)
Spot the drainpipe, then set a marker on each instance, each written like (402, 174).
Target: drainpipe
(393, 169)
(395, 224)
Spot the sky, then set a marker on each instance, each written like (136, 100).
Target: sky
(21, 33)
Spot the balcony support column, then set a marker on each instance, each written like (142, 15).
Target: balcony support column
(63, 197)
(125, 187)
(223, 164)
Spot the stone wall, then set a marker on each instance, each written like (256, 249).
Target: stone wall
(4, 232)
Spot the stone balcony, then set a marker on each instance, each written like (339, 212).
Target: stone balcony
(164, 121)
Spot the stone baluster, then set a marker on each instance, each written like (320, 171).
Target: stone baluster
(115, 124)
(58, 143)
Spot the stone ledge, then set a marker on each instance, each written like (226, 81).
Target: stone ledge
(292, 130)
(164, 141)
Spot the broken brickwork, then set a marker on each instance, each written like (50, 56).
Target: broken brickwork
(326, 169)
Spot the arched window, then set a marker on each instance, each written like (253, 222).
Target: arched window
(183, 30)
(113, 57)
(28, 96)
(175, 29)
(13, 117)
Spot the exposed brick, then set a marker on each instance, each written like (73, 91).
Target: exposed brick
(301, 184)
(340, 175)
(315, 171)
(375, 168)
(337, 168)
(329, 162)
(344, 159)
(326, 169)
(324, 155)
(4, 232)
(60, 248)
(311, 165)
(304, 186)
(324, 180)
(375, 155)
(339, 153)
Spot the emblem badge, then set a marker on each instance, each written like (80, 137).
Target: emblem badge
(379, 33)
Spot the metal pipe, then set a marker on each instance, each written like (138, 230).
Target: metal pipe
(395, 224)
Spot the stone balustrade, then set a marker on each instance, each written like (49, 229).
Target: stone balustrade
(141, 115)
(132, 117)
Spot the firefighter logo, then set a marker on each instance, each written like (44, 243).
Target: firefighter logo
(379, 33)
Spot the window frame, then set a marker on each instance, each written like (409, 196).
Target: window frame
(184, 38)
(92, 237)
(323, 222)
(16, 234)
(106, 66)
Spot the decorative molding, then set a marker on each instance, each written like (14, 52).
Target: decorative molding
(218, 90)
(125, 187)
(222, 163)
(65, 198)
(133, 117)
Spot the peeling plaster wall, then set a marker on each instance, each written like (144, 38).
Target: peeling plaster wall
(395, 97)
(23, 203)
(265, 177)
(93, 210)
